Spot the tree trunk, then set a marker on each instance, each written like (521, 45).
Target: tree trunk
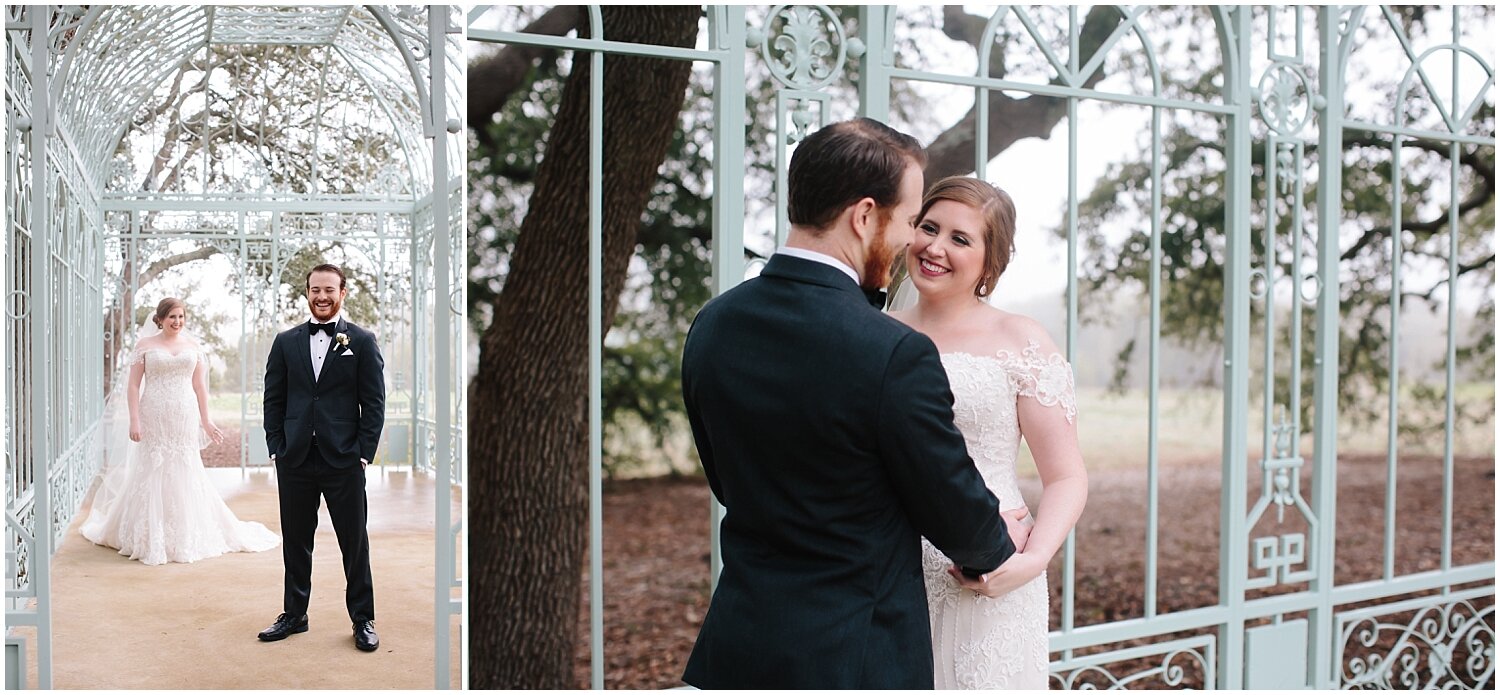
(494, 78)
(528, 431)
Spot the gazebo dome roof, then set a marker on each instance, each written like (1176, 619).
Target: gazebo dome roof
(340, 79)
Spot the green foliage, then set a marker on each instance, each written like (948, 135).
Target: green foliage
(670, 273)
(669, 276)
(1193, 257)
(360, 306)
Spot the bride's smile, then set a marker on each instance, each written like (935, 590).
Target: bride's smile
(948, 248)
(932, 269)
(174, 322)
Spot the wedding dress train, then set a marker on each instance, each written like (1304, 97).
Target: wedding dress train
(155, 503)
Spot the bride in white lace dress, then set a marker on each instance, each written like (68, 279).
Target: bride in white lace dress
(155, 502)
(1008, 380)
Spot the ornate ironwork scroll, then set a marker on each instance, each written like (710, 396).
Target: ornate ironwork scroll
(1448, 644)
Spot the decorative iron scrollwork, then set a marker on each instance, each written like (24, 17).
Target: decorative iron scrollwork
(808, 47)
(1284, 99)
(1448, 646)
(1172, 671)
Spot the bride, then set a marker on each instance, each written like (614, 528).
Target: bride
(1008, 381)
(155, 502)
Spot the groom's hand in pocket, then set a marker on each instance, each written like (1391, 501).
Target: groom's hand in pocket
(1018, 523)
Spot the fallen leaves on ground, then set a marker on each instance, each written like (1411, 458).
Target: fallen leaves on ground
(656, 549)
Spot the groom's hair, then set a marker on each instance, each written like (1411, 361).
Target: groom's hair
(843, 162)
(325, 268)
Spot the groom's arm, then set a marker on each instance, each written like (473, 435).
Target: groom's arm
(371, 398)
(273, 404)
(941, 490)
(695, 421)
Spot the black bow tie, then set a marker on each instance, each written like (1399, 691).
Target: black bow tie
(326, 328)
(876, 298)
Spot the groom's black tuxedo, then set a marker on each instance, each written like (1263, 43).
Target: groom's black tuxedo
(318, 428)
(344, 405)
(826, 430)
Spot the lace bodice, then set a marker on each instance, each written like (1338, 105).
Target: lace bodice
(980, 642)
(986, 390)
(168, 407)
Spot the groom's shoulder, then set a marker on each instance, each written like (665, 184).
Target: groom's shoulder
(886, 327)
(742, 293)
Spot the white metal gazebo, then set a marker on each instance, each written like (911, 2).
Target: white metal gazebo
(141, 139)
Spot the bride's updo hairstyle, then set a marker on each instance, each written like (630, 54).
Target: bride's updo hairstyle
(165, 307)
(999, 214)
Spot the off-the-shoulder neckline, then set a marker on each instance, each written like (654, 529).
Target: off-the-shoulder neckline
(179, 353)
(1003, 354)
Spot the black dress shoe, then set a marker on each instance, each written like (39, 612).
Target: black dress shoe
(365, 638)
(284, 626)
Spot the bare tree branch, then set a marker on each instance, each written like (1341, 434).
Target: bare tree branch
(1463, 269)
(1011, 119)
(962, 26)
(180, 124)
(1483, 193)
(162, 265)
(166, 103)
(493, 78)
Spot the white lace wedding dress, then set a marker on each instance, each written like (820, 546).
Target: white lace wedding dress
(980, 642)
(155, 502)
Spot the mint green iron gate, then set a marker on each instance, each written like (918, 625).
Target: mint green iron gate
(1270, 104)
(1277, 97)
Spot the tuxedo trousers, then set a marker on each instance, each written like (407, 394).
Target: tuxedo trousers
(300, 489)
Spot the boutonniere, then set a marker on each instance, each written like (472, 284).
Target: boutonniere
(343, 339)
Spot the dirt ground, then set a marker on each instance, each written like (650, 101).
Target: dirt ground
(225, 454)
(656, 551)
(118, 624)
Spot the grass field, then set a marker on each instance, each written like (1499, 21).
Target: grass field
(224, 407)
(1113, 432)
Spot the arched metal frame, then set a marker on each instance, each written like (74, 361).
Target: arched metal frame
(1304, 652)
(75, 78)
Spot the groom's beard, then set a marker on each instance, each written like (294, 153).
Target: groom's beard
(332, 310)
(881, 259)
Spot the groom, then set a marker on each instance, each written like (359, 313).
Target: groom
(324, 409)
(826, 430)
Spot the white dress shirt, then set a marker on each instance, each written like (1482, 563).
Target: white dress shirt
(318, 346)
(823, 258)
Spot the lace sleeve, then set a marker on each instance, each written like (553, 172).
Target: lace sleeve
(1047, 379)
(137, 356)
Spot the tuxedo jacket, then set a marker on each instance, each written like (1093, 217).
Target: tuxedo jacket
(826, 430)
(344, 405)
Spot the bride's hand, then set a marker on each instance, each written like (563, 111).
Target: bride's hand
(215, 435)
(135, 432)
(1013, 574)
(1018, 523)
